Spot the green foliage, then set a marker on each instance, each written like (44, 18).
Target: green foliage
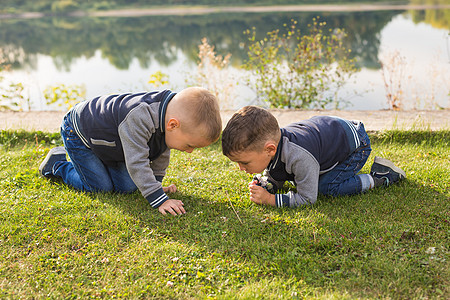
(389, 243)
(10, 138)
(437, 18)
(64, 6)
(12, 97)
(65, 96)
(103, 5)
(11, 94)
(296, 70)
(158, 79)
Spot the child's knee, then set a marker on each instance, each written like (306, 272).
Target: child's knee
(331, 190)
(104, 186)
(126, 190)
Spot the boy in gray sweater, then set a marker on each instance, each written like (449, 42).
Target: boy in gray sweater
(121, 143)
(323, 154)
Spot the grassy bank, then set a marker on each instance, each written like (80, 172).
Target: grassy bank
(388, 243)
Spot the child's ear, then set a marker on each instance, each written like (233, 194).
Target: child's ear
(172, 124)
(270, 148)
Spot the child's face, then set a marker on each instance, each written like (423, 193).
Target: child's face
(252, 161)
(179, 140)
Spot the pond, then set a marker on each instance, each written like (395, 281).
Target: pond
(119, 54)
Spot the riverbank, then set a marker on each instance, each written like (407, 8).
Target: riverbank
(378, 120)
(201, 10)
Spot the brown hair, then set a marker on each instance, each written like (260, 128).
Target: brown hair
(201, 109)
(249, 129)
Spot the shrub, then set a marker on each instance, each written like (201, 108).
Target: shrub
(65, 96)
(64, 6)
(214, 74)
(295, 70)
(393, 72)
(103, 5)
(11, 93)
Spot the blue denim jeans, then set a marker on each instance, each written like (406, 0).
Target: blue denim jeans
(85, 171)
(343, 179)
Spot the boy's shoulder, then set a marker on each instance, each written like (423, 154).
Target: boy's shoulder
(318, 124)
(314, 120)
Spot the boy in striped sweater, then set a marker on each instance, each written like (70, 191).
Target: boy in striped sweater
(321, 155)
(122, 143)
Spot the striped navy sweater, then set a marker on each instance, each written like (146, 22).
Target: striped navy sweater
(129, 128)
(308, 149)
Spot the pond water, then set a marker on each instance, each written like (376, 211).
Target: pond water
(109, 55)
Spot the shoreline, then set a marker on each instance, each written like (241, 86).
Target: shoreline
(374, 120)
(198, 10)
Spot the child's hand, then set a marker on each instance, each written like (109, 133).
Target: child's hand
(259, 195)
(170, 189)
(172, 206)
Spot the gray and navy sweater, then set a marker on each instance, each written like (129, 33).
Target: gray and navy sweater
(308, 149)
(129, 128)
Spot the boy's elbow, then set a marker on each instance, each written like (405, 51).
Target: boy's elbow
(302, 200)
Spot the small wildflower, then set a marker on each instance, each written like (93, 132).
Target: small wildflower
(430, 250)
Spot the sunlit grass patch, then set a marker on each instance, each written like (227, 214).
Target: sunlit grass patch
(387, 243)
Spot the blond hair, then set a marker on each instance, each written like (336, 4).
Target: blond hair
(199, 110)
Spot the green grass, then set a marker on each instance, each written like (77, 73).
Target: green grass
(388, 243)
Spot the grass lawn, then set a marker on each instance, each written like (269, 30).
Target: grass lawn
(390, 243)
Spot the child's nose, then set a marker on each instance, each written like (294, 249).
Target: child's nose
(241, 167)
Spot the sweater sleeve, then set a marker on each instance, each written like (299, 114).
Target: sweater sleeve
(160, 165)
(306, 169)
(135, 131)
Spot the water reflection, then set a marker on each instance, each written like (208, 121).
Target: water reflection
(157, 37)
(123, 52)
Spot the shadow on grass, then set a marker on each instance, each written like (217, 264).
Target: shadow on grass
(263, 238)
(336, 243)
(337, 240)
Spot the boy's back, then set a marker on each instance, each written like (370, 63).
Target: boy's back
(104, 122)
(329, 139)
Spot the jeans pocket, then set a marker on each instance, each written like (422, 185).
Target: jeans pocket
(70, 135)
(67, 130)
(71, 139)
